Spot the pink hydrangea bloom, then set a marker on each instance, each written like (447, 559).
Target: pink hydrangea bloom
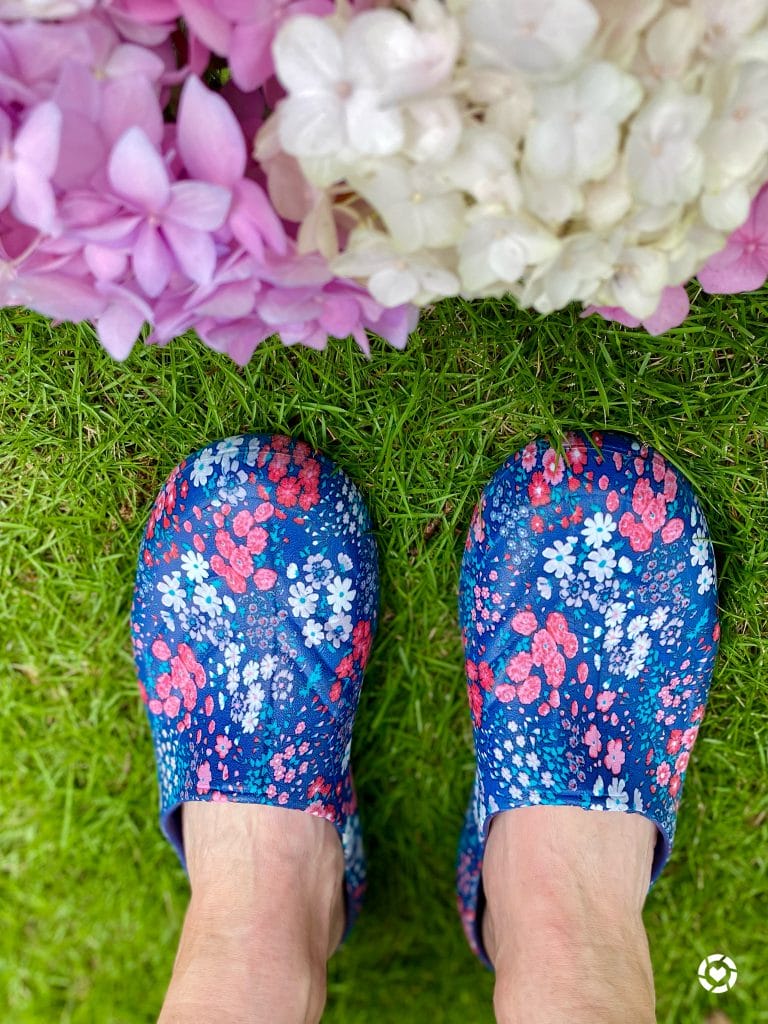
(111, 212)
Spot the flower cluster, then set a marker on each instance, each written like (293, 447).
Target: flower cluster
(597, 151)
(312, 168)
(127, 190)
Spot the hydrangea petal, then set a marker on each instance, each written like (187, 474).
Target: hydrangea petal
(308, 55)
(37, 141)
(758, 217)
(206, 22)
(250, 56)
(311, 126)
(53, 9)
(131, 102)
(671, 311)
(197, 204)
(105, 263)
(152, 261)
(137, 171)
(195, 251)
(621, 316)
(34, 201)
(384, 50)
(371, 129)
(130, 59)
(733, 270)
(253, 219)
(534, 35)
(397, 324)
(210, 139)
(7, 183)
(60, 296)
(392, 286)
(118, 328)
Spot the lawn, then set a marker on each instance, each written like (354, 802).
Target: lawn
(91, 898)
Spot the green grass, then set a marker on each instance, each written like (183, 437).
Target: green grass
(91, 898)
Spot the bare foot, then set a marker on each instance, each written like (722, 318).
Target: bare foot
(563, 924)
(266, 913)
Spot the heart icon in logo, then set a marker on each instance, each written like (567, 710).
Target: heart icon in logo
(717, 973)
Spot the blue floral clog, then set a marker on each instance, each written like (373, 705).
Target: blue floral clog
(588, 610)
(254, 611)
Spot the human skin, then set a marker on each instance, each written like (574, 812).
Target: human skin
(563, 920)
(265, 914)
(563, 923)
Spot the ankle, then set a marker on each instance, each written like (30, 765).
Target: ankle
(234, 998)
(279, 918)
(567, 967)
(569, 856)
(261, 955)
(253, 868)
(563, 924)
(266, 913)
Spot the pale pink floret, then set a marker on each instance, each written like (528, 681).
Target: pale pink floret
(671, 312)
(742, 266)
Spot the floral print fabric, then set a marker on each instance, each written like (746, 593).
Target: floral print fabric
(254, 611)
(588, 611)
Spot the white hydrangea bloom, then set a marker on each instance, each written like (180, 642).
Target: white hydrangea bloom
(574, 275)
(575, 132)
(553, 200)
(496, 250)
(754, 47)
(727, 23)
(484, 168)
(664, 161)
(597, 151)
(639, 278)
(670, 45)
(433, 129)
(727, 208)
(532, 35)
(622, 23)
(345, 86)
(646, 223)
(607, 201)
(326, 111)
(399, 57)
(418, 211)
(688, 248)
(506, 97)
(735, 142)
(394, 277)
